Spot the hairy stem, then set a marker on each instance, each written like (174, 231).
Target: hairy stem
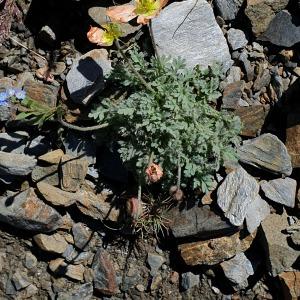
(152, 40)
(78, 128)
(140, 192)
(136, 73)
(178, 175)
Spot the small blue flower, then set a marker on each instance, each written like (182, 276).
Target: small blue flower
(20, 94)
(11, 92)
(3, 96)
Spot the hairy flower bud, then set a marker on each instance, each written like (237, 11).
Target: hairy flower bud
(154, 172)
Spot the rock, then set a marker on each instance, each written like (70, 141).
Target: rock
(20, 281)
(248, 68)
(82, 235)
(281, 190)
(104, 274)
(54, 243)
(198, 39)
(234, 74)
(56, 196)
(237, 270)
(6, 113)
(46, 174)
(257, 211)
(86, 76)
(52, 157)
(283, 30)
(2, 259)
(10, 288)
(228, 9)
(37, 145)
(262, 81)
(75, 272)
(70, 253)
(83, 292)
(73, 172)
(266, 152)
(80, 146)
(30, 260)
(13, 142)
(232, 94)
(253, 118)
(98, 14)
(155, 261)
(235, 194)
(83, 258)
(189, 280)
(16, 164)
(26, 211)
(293, 137)
(295, 237)
(236, 39)
(197, 222)
(140, 288)
(280, 255)
(47, 36)
(290, 284)
(30, 291)
(214, 251)
(96, 206)
(43, 93)
(261, 12)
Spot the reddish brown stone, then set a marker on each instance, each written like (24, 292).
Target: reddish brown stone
(253, 118)
(293, 138)
(104, 274)
(291, 285)
(26, 211)
(43, 93)
(214, 251)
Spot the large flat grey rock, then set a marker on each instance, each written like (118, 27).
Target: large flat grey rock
(266, 152)
(235, 194)
(188, 29)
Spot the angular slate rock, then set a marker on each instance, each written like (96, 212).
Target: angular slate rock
(257, 211)
(82, 235)
(56, 196)
(13, 142)
(238, 269)
(283, 30)
(83, 292)
(193, 34)
(228, 9)
(46, 174)
(261, 12)
(189, 280)
(280, 255)
(236, 39)
(253, 118)
(26, 211)
(214, 251)
(197, 222)
(281, 190)
(155, 261)
(266, 152)
(232, 94)
(16, 164)
(86, 76)
(104, 274)
(235, 194)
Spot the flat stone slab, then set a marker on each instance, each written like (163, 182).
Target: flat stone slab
(235, 194)
(197, 222)
(188, 29)
(280, 255)
(16, 164)
(266, 152)
(281, 190)
(26, 211)
(257, 211)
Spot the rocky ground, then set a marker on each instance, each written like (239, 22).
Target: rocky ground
(62, 234)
